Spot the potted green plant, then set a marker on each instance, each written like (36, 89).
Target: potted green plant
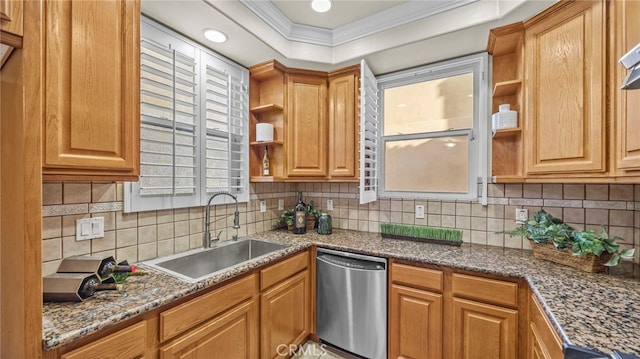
(558, 242)
(285, 218)
(312, 214)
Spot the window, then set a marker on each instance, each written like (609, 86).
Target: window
(433, 132)
(194, 118)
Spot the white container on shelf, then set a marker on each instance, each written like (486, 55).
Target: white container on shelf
(264, 132)
(504, 118)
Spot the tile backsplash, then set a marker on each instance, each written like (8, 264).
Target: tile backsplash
(145, 235)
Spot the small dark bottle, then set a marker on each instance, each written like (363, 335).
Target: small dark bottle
(300, 216)
(111, 267)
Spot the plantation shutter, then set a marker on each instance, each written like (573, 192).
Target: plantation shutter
(369, 134)
(226, 112)
(168, 123)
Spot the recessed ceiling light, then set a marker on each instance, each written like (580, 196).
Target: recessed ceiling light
(216, 36)
(321, 5)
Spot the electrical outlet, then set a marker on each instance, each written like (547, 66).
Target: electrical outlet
(419, 212)
(280, 204)
(89, 228)
(522, 215)
(263, 206)
(329, 205)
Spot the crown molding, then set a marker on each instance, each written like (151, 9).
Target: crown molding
(399, 15)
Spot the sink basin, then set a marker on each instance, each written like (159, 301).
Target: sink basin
(200, 264)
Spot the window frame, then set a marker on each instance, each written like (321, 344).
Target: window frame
(478, 135)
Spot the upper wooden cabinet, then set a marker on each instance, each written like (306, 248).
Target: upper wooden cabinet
(315, 119)
(343, 123)
(565, 61)
(306, 112)
(91, 90)
(563, 78)
(624, 35)
(11, 22)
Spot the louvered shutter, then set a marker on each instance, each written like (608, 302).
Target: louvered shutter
(225, 93)
(168, 123)
(369, 134)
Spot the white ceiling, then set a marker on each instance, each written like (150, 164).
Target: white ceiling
(390, 34)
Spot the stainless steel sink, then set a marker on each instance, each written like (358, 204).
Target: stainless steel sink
(200, 264)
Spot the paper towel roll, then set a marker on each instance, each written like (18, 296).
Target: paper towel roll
(264, 132)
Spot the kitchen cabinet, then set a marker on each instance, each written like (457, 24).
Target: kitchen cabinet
(91, 79)
(306, 138)
(415, 312)
(231, 335)
(127, 343)
(285, 306)
(438, 313)
(543, 340)
(315, 119)
(624, 35)
(506, 47)
(11, 22)
(565, 98)
(485, 317)
(343, 123)
(560, 71)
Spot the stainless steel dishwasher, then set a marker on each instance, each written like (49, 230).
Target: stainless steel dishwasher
(351, 302)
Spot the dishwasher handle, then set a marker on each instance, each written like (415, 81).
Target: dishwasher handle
(351, 263)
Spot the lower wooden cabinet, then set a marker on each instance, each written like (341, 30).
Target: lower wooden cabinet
(231, 335)
(543, 341)
(415, 323)
(127, 343)
(285, 316)
(436, 313)
(484, 331)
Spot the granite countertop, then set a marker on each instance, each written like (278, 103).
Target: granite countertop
(568, 296)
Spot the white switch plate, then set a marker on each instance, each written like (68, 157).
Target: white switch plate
(522, 215)
(329, 205)
(419, 212)
(280, 204)
(89, 228)
(263, 206)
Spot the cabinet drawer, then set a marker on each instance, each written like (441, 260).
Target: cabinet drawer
(176, 320)
(543, 333)
(283, 270)
(417, 277)
(485, 290)
(127, 343)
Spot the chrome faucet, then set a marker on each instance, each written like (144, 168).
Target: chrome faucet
(206, 242)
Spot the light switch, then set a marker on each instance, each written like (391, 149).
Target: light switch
(89, 228)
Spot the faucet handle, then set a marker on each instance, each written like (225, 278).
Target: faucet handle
(216, 237)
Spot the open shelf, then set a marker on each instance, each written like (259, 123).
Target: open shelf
(269, 107)
(508, 132)
(266, 143)
(506, 88)
(264, 179)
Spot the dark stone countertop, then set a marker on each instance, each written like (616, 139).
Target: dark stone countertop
(568, 296)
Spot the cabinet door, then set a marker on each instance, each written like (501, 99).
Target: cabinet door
(306, 142)
(626, 116)
(92, 89)
(484, 331)
(565, 97)
(11, 22)
(343, 126)
(126, 343)
(544, 343)
(231, 335)
(285, 316)
(415, 323)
